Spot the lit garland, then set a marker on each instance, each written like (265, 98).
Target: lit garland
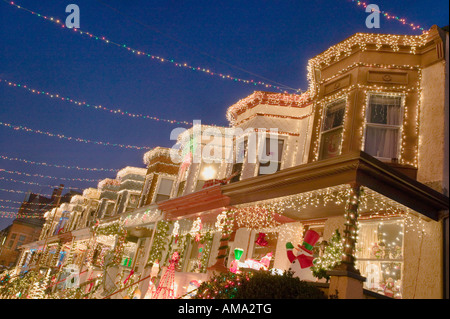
(95, 107)
(153, 57)
(371, 205)
(148, 216)
(159, 241)
(57, 166)
(69, 138)
(391, 16)
(51, 177)
(258, 97)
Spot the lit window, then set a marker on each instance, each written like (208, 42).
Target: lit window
(383, 123)
(332, 128)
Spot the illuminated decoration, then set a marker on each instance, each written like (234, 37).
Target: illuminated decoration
(222, 286)
(261, 241)
(113, 228)
(259, 97)
(33, 183)
(51, 177)
(69, 138)
(176, 228)
(391, 16)
(360, 41)
(255, 218)
(303, 261)
(149, 216)
(330, 257)
(108, 182)
(153, 57)
(155, 153)
(208, 173)
(258, 264)
(234, 267)
(95, 107)
(130, 170)
(166, 288)
(195, 231)
(17, 215)
(224, 222)
(58, 166)
(159, 242)
(19, 192)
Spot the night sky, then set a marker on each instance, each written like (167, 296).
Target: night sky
(256, 40)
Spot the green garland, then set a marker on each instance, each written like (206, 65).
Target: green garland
(207, 241)
(159, 241)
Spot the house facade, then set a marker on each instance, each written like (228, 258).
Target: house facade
(363, 152)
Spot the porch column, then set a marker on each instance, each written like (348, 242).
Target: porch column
(346, 281)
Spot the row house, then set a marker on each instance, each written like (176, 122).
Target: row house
(363, 151)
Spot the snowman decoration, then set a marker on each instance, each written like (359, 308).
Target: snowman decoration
(302, 261)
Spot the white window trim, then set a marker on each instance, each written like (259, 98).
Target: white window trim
(325, 107)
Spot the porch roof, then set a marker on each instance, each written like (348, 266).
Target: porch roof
(352, 168)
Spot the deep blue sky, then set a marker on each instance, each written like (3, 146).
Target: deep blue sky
(273, 39)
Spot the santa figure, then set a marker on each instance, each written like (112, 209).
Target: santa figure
(302, 262)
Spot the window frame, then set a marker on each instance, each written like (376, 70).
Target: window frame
(283, 153)
(158, 185)
(340, 127)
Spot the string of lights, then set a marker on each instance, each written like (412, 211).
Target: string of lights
(52, 177)
(20, 191)
(69, 138)
(33, 183)
(190, 47)
(57, 165)
(16, 215)
(17, 202)
(390, 16)
(151, 56)
(92, 106)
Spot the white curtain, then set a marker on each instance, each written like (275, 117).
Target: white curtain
(383, 141)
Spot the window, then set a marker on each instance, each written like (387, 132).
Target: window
(332, 128)
(164, 189)
(198, 256)
(383, 124)
(379, 253)
(271, 157)
(239, 158)
(265, 244)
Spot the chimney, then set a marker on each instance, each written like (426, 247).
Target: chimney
(56, 195)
